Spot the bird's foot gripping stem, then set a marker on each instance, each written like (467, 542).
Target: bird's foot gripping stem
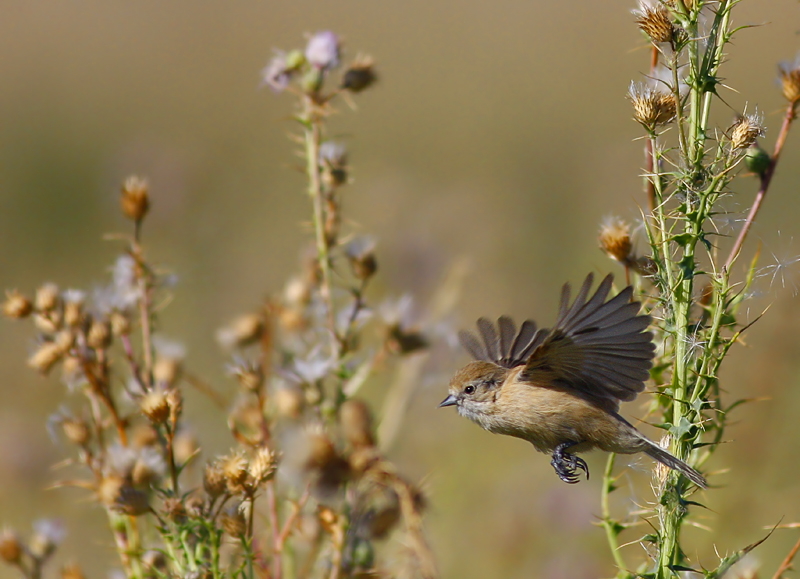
(567, 465)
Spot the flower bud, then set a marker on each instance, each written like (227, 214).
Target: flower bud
(16, 306)
(154, 406)
(790, 81)
(73, 307)
(757, 160)
(745, 132)
(135, 201)
(214, 480)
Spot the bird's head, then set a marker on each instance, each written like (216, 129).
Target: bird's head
(474, 388)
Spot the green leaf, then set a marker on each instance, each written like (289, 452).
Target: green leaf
(681, 429)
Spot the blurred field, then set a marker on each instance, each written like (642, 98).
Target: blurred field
(499, 132)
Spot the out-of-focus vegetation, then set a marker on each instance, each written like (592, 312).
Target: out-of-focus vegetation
(490, 125)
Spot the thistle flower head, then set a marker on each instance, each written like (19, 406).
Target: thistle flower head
(16, 306)
(323, 50)
(615, 240)
(47, 536)
(654, 20)
(11, 547)
(360, 75)
(789, 75)
(746, 130)
(652, 107)
(135, 201)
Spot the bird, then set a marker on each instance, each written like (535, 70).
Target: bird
(560, 388)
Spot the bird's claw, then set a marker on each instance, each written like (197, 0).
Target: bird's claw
(567, 465)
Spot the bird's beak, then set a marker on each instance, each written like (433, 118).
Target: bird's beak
(449, 401)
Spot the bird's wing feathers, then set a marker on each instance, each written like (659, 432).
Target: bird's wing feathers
(600, 348)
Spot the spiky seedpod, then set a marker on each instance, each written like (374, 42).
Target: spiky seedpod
(135, 201)
(214, 481)
(615, 240)
(361, 74)
(745, 132)
(656, 22)
(234, 470)
(17, 306)
(261, 467)
(99, 334)
(790, 82)
(652, 108)
(154, 406)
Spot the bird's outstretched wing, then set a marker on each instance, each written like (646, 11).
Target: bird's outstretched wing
(599, 348)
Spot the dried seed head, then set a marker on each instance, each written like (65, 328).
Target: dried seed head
(154, 406)
(234, 470)
(75, 430)
(361, 74)
(73, 307)
(11, 548)
(232, 521)
(47, 535)
(16, 306)
(120, 324)
(49, 353)
(109, 489)
(790, 81)
(175, 403)
(615, 240)
(131, 502)
(746, 130)
(99, 335)
(250, 375)
(72, 571)
(262, 466)
(361, 255)
(48, 323)
(243, 331)
(356, 421)
(174, 509)
(652, 107)
(655, 21)
(214, 479)
(47, 297)
(169, 361)
(135, 201)
(289, 401)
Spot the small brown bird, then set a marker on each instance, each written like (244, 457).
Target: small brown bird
(560, 388)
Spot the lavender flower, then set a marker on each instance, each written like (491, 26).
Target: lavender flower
(322, 50)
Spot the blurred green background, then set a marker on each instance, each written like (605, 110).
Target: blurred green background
(499, 132)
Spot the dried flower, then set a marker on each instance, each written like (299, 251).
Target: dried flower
(76, 430)
(47, 297)
(261, 467)
(47, 535)
(655, 21)
(135, 201)
(234, 469)
(73, 307)
(746, 130)
(16, 306)
(232, 520)
(249, 374)
(11, 548)
(361, 254)
(169, 361)
(615, 240)
(356, 421)
(131, 502)
(49, 353)
(48, 322)
(323, 50)
(99, 334)
(214, 479)
(242, 331)
(154, 405)
(652, 107)
(360, 75)
(72, 571)
(790, 80)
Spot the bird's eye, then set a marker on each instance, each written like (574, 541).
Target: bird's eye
(469, 389)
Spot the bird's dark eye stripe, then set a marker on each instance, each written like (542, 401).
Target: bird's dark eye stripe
(469, 389)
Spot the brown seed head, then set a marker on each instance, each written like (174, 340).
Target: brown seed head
(73, 307)
(75, 430)
(50, 322)
(49, 353)
(790, 82)
(11, 548)
(656, 22)
(745, 132)
(72, 571)
(361, 74)
(16, 306)
(652, 108)
(131, 501)
(214, 479)
(154, 406)
(262, 466)
(232, 521)
(615, 240)
(99, 335)
(120, 324)
(243, 331)
(356, 421)
(109, 489)
(234, 470)
(47, 297)
(250, 376)
(289, 401)
(135, 201)
(175, 403)
(174, 509)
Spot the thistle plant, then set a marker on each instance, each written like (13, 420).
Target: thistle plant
(690, 276)
(305, 490)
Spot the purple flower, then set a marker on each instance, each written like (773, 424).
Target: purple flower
(275, 74)
(322, 50)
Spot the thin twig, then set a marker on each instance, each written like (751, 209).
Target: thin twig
(787, 562)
